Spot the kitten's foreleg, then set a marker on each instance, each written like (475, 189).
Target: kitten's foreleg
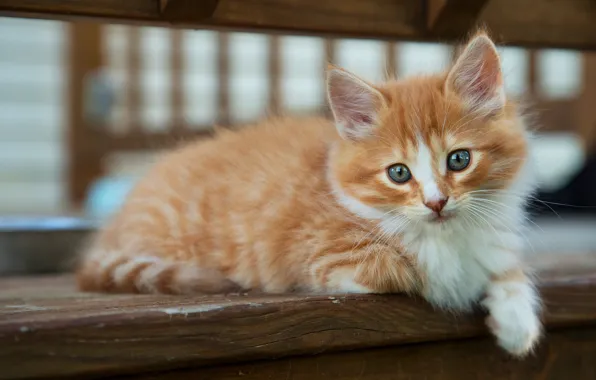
(513, 305)
(374, 269)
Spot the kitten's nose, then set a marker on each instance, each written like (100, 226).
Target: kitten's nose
(437, 205)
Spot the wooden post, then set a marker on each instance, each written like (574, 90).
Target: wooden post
(275, 94)
(533, 86)
(223, 117)
(176, 78)
(133, 75)
(84, 157)
(328, 59)
(586, 115)
(391, 59)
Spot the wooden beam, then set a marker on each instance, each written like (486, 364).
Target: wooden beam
(163, 4)
(187, 10)
(538, 23)
(453, 17)
(567, 354)
(142, 141)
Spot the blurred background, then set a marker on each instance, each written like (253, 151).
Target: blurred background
(85, 108)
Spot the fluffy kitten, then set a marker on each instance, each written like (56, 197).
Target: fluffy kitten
(421, 191)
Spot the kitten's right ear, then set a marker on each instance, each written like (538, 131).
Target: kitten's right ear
(354, 103)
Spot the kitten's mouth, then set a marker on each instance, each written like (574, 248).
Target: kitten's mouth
(441, 217)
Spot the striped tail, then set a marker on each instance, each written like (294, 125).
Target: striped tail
(147, 274)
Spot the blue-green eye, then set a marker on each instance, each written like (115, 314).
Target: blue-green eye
(399, 173)
(458, 160)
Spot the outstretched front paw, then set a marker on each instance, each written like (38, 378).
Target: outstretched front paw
(516, 337)
(513, 318)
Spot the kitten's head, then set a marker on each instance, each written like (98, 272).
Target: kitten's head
(427, 147)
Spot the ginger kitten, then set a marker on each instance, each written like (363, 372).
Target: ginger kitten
(417, 187)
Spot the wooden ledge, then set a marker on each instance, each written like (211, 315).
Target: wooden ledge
(554, 23)
(48, 329)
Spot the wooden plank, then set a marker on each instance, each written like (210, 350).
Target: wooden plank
(187, 10)
(163, 4)
(453, 16)
(84, 162)
(139, 140)
(567, 354)
(554, 23)
(48, 329)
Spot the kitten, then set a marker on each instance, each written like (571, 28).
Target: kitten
(421, 192)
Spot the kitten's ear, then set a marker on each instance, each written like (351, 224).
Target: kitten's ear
(355, 104)
(476, 77)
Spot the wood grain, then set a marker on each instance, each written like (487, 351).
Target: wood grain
(187, 10)
(48, 329)
(553, 23)
(453, 16)
(564, 355)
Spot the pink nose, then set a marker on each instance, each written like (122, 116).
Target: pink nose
(438, 205)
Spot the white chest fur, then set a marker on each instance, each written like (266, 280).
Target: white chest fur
(457, 264)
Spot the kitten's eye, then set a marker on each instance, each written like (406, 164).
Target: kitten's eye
(399, 173)
(458, 160)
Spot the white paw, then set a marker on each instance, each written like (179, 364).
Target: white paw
(516, 337)
(514, 321)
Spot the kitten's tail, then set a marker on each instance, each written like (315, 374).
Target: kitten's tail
(119, 273)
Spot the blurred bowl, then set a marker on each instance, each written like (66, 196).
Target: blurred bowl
(41, 245)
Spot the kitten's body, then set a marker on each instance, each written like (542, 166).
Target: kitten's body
(254, 205)
(290, 205)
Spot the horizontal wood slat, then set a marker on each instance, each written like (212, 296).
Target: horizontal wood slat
(141, 140)
(554, 23)
(453, 16)
(565, 355)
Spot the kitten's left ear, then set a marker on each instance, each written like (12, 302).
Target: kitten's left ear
(477, 79)
(355, 104)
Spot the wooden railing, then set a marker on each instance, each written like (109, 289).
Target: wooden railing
(555, 23)
(91, 141)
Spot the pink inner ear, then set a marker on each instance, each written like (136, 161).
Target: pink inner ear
(477, 77)
(354, 104)
(489, 77)
(360, 118)
(483, 85)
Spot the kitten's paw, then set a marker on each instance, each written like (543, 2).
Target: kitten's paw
(515, 325)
